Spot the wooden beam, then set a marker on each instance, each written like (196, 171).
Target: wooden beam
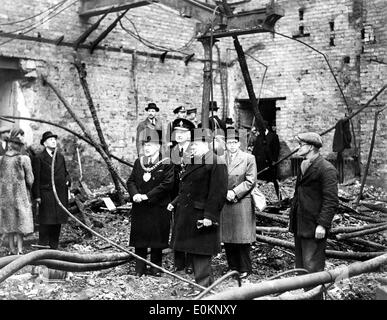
(255, 21)
(104, 34)
(82, 38)
(91, 8)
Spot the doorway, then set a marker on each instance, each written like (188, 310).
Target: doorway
(267, 107)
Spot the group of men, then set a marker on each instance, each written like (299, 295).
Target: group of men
(192, 182)
(49, 215)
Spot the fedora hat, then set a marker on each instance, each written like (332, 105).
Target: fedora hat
(46, 135)
(152, 105)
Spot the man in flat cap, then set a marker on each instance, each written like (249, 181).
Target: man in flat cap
(191, 116)
(151, 122)
(315, 202)
(50, 215)
(202, 194)
(4, 133)
(181, 157)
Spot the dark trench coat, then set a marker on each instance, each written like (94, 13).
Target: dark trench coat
(315, 200)
(49, 211)
(202, 194)
(150, 224)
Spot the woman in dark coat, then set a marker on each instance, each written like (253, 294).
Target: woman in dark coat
(50, 216)
(150, 185)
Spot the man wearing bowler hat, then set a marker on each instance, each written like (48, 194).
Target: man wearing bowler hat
(217, 125)
(50, 215)
(151, 122)
(4, 133)
(315, 202)
(202, 194)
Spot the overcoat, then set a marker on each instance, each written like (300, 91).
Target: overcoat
(266, 151)
(150, 219)
(202, 193)
(238, 218)
(315, 200)
(16, 180)
(49, 210)
(180, 162)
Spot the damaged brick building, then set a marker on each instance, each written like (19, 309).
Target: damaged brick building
(152, 55)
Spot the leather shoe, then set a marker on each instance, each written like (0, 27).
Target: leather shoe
(155, 272)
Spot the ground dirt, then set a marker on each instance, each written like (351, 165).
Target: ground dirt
(120, 283)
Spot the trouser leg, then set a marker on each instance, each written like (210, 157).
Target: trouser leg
(231, 256)
(140, 265)
(244, 257)
(202, 269)
(54, 232)
(156, 257)
(179, 259)
(188, 263)
(311, 256)
(44, 238)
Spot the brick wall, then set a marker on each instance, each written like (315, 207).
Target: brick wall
(125, 74)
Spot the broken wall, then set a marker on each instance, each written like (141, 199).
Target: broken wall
(341, 30)
(124, 75)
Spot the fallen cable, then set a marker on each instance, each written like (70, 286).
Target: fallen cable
(329, 253)
(303, 296)
(220, 280)
(251, 291)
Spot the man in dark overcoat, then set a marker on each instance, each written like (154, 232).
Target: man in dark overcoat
(150, 185)
(151, 122)
(50, 216)
(217, 125)
(314, 205)
(266, 151)
(202, 194)
(181, 157)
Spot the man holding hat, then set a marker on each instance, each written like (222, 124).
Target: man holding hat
(151, 122)
(315, 202)
(50, 215)
(181, 157)
(4, 133)
(202, 194)
(149, 186)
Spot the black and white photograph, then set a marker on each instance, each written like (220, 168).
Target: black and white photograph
(193, 155)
